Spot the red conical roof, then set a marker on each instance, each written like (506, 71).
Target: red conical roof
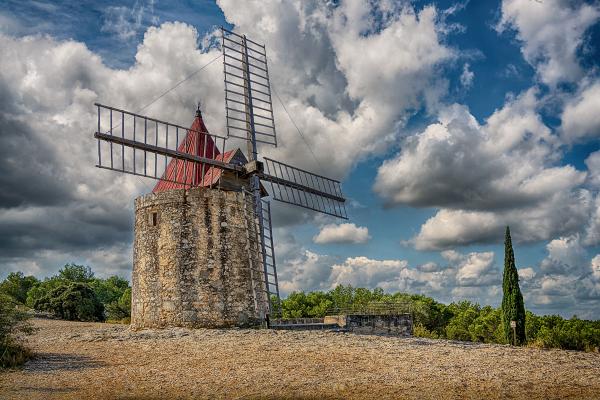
(196, 142)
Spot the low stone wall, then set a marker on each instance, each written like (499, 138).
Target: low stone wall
(399, 324)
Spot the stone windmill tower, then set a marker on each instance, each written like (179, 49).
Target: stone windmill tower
(203, 249)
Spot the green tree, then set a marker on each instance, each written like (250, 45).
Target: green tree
(75, 273)
(75, 301)
(487, 327)
(41, 289)
(16, 285)
(513, 308)
(109, 290)
(459, 327)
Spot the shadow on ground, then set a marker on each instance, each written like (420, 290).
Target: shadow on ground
(48, 362)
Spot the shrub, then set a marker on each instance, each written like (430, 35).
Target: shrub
(120, 310)
(13, 324)
(73, 301)
(420, 331)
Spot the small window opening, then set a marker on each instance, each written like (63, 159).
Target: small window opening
(154, 219)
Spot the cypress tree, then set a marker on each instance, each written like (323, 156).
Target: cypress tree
(513, 308)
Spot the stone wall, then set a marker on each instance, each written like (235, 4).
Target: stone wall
(193, 263)
(398, 324)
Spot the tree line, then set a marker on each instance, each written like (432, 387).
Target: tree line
(463, 320)
(74, 293)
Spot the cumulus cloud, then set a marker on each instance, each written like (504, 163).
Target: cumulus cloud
(588, 286)
(458, 163)
(562, 215)
(477, 269)
(362, 271)
(551, 33)
(566, 256)
(342, 233)
(526, 274)
(484, 177)
(580, 119)
(566, 282)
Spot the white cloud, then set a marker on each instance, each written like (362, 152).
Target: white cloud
(485, 177)
(475, 276)
(458, 163)
(342, 233)
(477, 270)
(301, 269)
(467, 76)
(580, 116)
(526, 274)
(362, 271)
(563, 214)
(306, 271)
(566, 256)
(566, 283)
(551, 32)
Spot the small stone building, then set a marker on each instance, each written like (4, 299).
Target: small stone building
(196, 261)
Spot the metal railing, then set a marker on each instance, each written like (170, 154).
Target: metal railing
(376, 308)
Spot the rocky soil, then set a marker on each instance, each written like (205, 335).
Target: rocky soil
(102, 361)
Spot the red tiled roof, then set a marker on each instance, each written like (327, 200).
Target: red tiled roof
(187, 171)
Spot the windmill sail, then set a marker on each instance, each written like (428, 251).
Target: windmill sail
(302, 188)
(144, 146)
(248, 105)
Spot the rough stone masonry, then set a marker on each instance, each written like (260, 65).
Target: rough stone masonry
(195, 262)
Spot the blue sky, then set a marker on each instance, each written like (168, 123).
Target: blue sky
(447, 122)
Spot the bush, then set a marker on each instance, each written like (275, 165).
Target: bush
(41, 289)
(16, 285)
(13, 324)
(73, 301)
(571, 334)
(420, 331)
(120, 310)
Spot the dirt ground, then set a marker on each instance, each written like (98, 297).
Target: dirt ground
(103, 361)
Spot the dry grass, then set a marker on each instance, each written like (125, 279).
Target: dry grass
(103, 361)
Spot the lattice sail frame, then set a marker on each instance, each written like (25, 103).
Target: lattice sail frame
(305, 189)
(248, 102)
(139, 145)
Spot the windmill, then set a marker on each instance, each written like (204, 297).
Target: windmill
(180, 157)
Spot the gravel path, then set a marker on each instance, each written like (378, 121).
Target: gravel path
(103, 361)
